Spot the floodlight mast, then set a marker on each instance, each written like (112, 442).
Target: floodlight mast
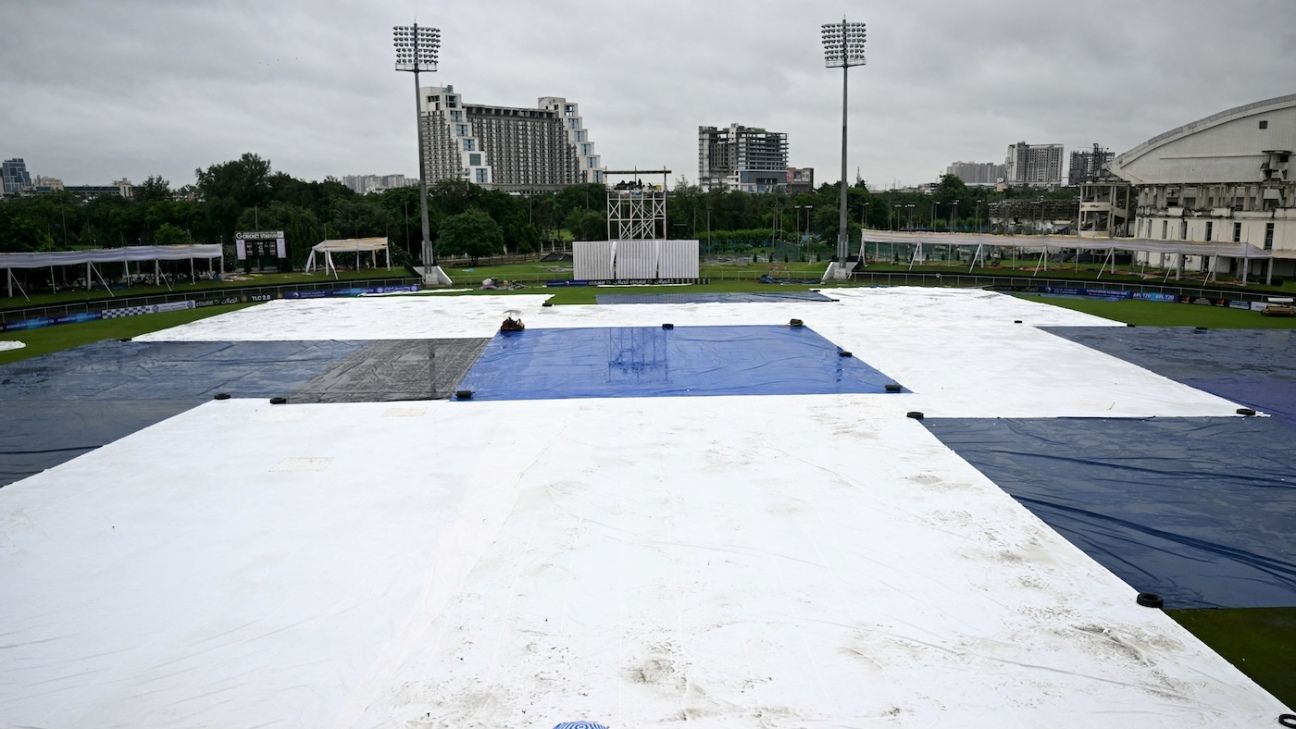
(416, 50)
(843, 45)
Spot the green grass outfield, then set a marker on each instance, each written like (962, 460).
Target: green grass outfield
(66, 336)
(1261, 642)
(1159, 314)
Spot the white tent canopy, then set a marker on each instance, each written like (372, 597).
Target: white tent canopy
(89, 257)
(1045, 244)
(349, 245)
(45, 259)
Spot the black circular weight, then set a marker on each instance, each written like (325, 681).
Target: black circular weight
(222, 396)
(463, 394)
(915, 414)
(278, 401)
(892, 387)
(1150, 599)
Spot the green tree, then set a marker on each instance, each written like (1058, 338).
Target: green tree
(153, 189)
(949, 189)
(471, 233)
(245, 180)
(19, 233)
(170, 235)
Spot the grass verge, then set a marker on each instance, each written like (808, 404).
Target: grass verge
(65, 336)
(1159, 314)
(1261, 642)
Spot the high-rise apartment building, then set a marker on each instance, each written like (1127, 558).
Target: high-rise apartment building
(15, 177)
(1034, 165)
(976, 173)
(749, 159)
(514, 149)
(365, 184)
(1089, 166)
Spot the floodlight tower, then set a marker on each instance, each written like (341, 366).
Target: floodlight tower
(843, 45)
(416, 50)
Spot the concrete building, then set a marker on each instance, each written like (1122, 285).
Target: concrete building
(45, 184)
(976, 173)
(1033, 165)
(123, 188)
(365, 184)
(1225, 178)
(15, 177)
(748, 159)
(1089, 166)
(800, 179)
(514, 149)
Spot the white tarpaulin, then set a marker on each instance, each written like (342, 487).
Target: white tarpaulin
(741, 561)
(349, 245)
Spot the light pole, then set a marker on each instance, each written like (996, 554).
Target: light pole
(843, 45)
(416, 50)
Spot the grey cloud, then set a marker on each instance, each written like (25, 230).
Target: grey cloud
(94, 91)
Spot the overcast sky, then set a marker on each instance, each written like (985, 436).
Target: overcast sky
(93, 90)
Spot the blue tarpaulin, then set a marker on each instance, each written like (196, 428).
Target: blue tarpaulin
(740, 297)
(62, 405)
(539, 364)
(1254, 367)
(1199, 510)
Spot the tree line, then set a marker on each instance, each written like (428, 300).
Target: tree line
(465, 219)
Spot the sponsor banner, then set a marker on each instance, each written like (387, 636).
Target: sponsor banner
(27, 324)
(1154, 296)
(1258, 305)
(76, 318)
(557, 283)
(14, 326)
(1239, 305)
(320, 294)
(1096, 293)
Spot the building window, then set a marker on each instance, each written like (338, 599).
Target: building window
(1183, 230)
(481, 176)
(1210, 228)
(1264, 124)
(474, 160)
(1165, 227)
(1268, 242)
(1237, 232)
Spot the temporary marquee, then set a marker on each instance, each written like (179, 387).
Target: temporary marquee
(348, 245)
(125, 255)
(1045, 244)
